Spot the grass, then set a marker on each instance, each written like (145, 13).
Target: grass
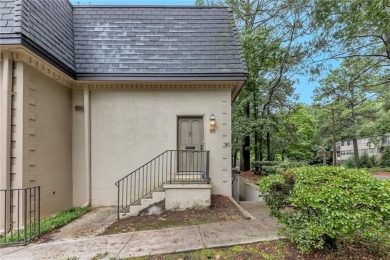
(269, 250)
(49, 224)
(232, 252)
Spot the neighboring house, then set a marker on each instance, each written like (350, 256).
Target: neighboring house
(344, 149)
(92, 93)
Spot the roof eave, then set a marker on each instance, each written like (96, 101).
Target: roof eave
(163, 77)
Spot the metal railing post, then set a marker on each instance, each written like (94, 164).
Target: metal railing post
(39, 211)
(25, 216)
(118, 202)
(208, 166)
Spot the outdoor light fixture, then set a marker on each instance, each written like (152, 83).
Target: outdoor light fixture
(212, 123)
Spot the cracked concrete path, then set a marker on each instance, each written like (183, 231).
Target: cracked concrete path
(89, 225)
(80, 239)
(151, 242)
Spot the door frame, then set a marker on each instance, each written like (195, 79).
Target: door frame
(178, 117)
(190, 116)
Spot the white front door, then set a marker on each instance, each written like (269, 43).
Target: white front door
(190, 144)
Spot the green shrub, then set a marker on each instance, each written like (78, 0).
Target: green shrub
(318, 207)
(272, 167)
(366, 161)
(258, 166)
(373, 160)
(349, 163)
(385, 159)
(266, 170)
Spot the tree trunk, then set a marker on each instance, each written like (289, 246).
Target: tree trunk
(356, 152)
(256, 146)
(261, 149)
(246, 153)
(334, 139)
(242, 158)
(268, 146)
(255, 131)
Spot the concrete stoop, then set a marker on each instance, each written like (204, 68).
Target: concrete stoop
(150, 199)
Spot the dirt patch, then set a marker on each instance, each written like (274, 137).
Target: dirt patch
(382, 173)
(251, 176)
(221, 209)
(281, 249)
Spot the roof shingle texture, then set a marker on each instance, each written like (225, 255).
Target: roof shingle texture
(134, 40)
(46, 23)
(126, 40)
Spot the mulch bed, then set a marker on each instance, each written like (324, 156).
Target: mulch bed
(221, 209)
(382, 173)
(251, 176)
(281, 249)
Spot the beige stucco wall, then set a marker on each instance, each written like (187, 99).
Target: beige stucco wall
(361, 146)
(78, 151)
(187, 196)
(128, 128)
(47, 133)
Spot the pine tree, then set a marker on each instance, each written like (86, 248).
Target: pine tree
(385, 160)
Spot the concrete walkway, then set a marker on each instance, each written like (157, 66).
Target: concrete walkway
(382, 177)
(90, 225)
(144, 243)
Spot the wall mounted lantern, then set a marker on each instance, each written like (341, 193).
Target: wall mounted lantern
(212, 123)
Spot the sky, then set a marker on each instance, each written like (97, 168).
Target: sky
(304, 88)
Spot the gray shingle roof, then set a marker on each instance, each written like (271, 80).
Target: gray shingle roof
(10, 18)
(43, 23)
(155, 40)
(126, 40)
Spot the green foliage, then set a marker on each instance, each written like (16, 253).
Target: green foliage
(318, 206)
(349, 163)
(385, 159)
(357, 28)
(266, 170)
(62, 218)
(303, 128)
(366, 161)
(272, 167)
(51, 223)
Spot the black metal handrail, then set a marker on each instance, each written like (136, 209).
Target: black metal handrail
(171, 166)
(20, 215)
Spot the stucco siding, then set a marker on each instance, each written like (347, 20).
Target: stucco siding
(48, 140)
(129, 128)
(78, 151)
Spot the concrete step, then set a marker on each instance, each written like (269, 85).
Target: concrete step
(151, 198)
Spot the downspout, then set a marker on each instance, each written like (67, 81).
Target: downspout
(5, 121)
(87, 147)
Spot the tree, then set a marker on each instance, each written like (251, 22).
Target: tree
(359, 28)
(353, 84)
(272, 33)
(385, 159)
(302, 134)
